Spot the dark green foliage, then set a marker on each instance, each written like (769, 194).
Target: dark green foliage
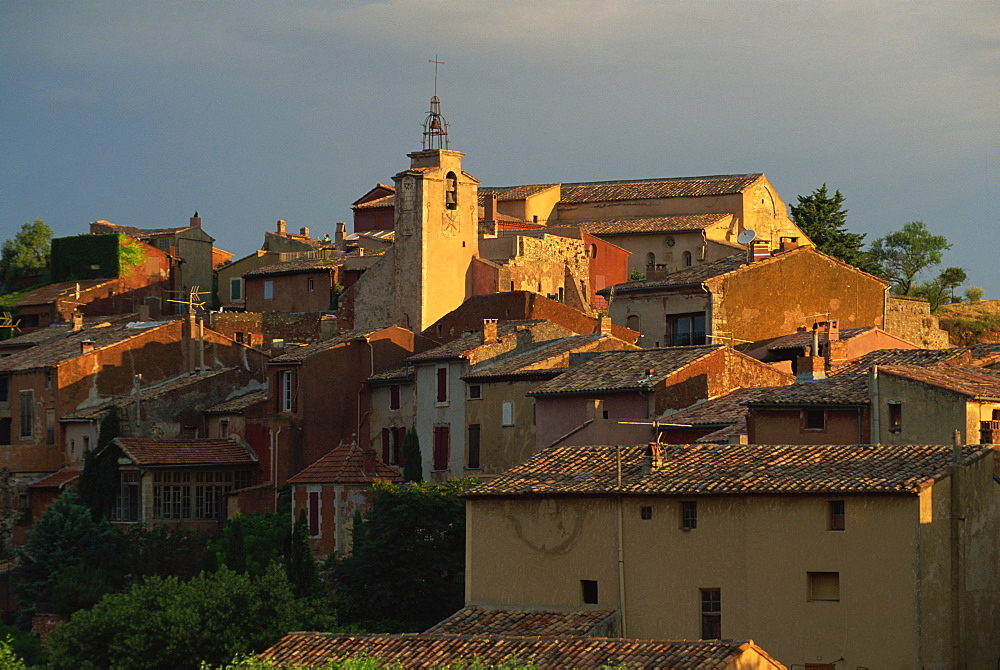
(413, 469)
(303, 573)
(165, 550)
(903, 254)
(23, 644)
(264, 539)
(952, 278)
(111, 428)
(169, 624)
(99, 481)
(66, 537)
(25, 257)
(407, 569)
(823, 218)
(95, 257)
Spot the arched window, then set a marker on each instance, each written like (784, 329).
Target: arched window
(632, 321)
(687, 259)
(451, 191)
(650, 260)
(593, 250)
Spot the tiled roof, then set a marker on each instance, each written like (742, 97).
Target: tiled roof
(238, 404)
(724, 409)
(625, 370)
(693, 275)
(545, 653)
(52, 292)
(404, 373)
(644, 189)
(146, 452)
(344, 465)
(652, 225)
(804, 339)
(715, 469)
(536, 359)
(301, 353)
(513, 192)
(94, 412)
(492, 622)
(979, 383)
(137, 232)
(384, 201)
(725, 435)
(59, 349)
(467, 344)
(297, 265)
(58, 479)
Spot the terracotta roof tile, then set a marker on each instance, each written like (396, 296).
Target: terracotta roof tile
(52, 292)
(694, 275)
(404, 374)
(466, 346)
(297, 265)
(507, 193)
(480, 621)
(716, 469)
(344, 465)
(550, 357)
(976, 382)
(384, 201)
(547, 653)
(58, 479)
(153, 390)
(624, 370)
(652, 225)
(642, 189)
(804, 339)
(238, 404)
(725, 409)
(301, 353)
(146, 452)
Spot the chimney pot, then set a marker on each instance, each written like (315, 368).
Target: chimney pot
(341, 238)
(196, 221)
(281, 226)
(304, 232)
(86, 346)
(369, 462)
(77, 321)
(490, 333)
(490, 207)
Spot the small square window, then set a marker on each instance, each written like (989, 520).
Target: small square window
(815, 419)
(895, 417)
(836, 509)
(824, 586)
(646, 512)
(589, 588)
(311, 284)
(689, 515)
(475, 391)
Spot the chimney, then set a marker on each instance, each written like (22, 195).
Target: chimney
(604, 324)
(86, 346)
(281, 227)
(277, 346)
(341, 238)
(490, 207)
(598, 409)
(956, 448)
(759, 250)
(832, 331)
(989, 432)
(490, 334)
(810, 368)
(196, 221)
(789, 243)
(144, 312)
(653, 457)
(304, 232)
(77, 321)
(368, 462)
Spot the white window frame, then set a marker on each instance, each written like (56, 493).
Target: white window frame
(286, 390)
(507, 413)
(236, 288)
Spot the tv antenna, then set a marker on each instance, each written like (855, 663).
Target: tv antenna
(194, 301)
(8, 321)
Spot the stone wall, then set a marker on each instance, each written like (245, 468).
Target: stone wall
(910, 318)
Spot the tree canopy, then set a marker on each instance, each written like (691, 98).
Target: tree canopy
(25, 257)
(903, 254)
(823, 218)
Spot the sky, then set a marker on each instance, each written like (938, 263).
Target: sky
(141, 113)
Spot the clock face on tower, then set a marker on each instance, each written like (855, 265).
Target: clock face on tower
(449, 223)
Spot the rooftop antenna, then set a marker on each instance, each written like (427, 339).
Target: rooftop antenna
(435, 126)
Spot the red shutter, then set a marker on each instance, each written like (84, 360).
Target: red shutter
(314, 513)
(394, 396)
(397, 446)
(442, 390)
(441, 439)
(385, 445)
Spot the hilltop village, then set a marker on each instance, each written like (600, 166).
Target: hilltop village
(698, 441)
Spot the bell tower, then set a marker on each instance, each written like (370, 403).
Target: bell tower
(437, 229)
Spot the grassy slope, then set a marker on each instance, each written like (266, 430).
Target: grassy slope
(971, 322)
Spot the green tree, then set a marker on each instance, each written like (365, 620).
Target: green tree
(974, 293)
(262, 539)
(406, 571)
(25, 257)
(413, 467)
(303, 573)
(67, 540)
(166, 623)
(952, 278)
(903, 254)
(823, 219)
(9, 659)
(99, 480)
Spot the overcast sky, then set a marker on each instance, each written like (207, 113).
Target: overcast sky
(141, 113)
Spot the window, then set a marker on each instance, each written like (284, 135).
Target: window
(442, 437)
(163, 243)
(711, 614)
(687, 259)
(473, 452)
(224, 428)
(50, 426)
(451, 191)
(27, 413)
(392, 445)
(127, 501)
(313, 511)
(198, 495)
(286, 391)
(5, 430)
(814, 419)
(835, 515)
(646, 512)
(507, 413)
(4, 389)
(684, 329)
(268, 289)
(442, 384)
(895, 417)
(475, 392)
(824, 586)
(311, 284)
(236, 289)
(240, 338)
(48, 379)
(589, 589)
(689, 514)
(650, 260)
(394, 396)
(632, 321)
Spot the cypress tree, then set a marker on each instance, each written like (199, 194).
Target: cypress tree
(303, 573)
(413, 469)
